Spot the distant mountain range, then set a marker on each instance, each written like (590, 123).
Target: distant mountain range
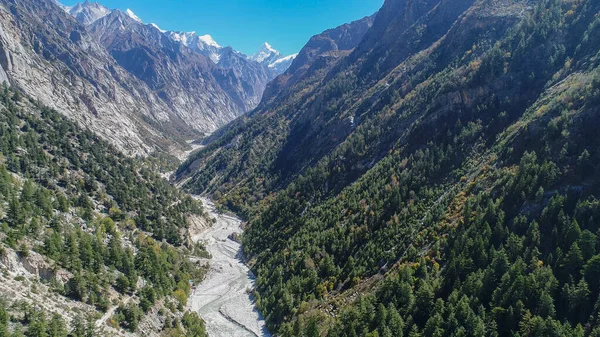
(140, 87)
(89, 12)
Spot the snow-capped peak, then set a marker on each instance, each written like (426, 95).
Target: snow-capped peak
(204, 44)
(86, 12)
(267, 46)
(270, 57)
(132, 15)
(192, 38)
(266, 54)
(209, 41)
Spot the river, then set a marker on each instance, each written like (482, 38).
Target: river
(223, 299)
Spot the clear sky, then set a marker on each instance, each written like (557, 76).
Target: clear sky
(246, 24)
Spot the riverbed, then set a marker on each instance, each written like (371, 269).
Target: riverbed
(223, 299)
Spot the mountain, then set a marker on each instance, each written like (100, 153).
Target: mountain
(281, 64)
(266, 54)
(274, 63)
(132, 15)
(203, 95)
(254, 76)
(306, 71)
(93, 242)
(50, 56)
(435, 176)
(135, 87)
(203, 44)
(273, 59)
(87, 12)
(326, 47)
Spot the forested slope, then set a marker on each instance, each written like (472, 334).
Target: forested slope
(80, 220)
(440, 180)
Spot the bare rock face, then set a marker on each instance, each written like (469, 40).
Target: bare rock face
(9, 260)
(251, 78)
(62, 276)
(48, 55)
(32, 265)
(343, 38)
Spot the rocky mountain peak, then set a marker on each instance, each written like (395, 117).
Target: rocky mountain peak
(87, 12)
(330, 44)
(203, 44)
(266, 54)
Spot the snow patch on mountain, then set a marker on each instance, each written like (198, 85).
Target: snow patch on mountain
(87, 12)
(209, 41)
(204, 44)
(133, 16)
(64, 7)
(157, 27)
(283, 60)
(181, 37)
(267, 47)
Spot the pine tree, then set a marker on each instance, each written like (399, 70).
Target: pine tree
(57, 327)
(311, 329)
(3, 321)
(79, 328)
(72, 253)
(574, 261)
(591, 272)
(15, 213)
(38, 327)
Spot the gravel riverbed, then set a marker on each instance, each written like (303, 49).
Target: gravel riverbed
(223, 299)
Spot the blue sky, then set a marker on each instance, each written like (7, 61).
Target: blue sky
(246, 24)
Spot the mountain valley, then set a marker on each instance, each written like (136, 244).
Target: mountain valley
(430, 170)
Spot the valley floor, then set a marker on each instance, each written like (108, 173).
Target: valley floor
(223, 299)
